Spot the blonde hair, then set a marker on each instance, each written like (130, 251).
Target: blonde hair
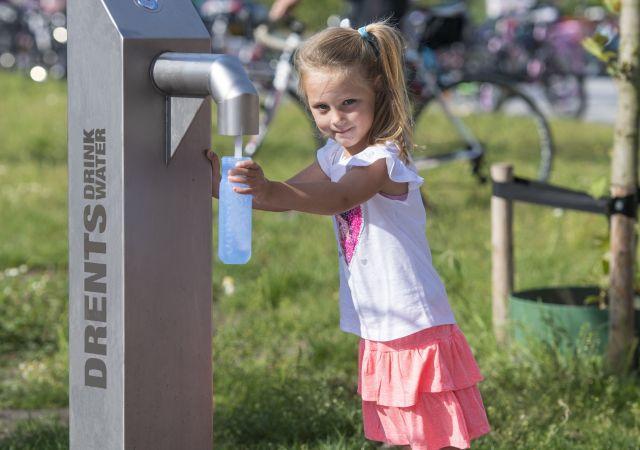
(379, 59)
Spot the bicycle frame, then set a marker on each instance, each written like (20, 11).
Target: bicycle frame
(282, 79)
(432, 91)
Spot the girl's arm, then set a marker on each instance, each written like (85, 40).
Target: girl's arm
(311, 173)
(311, 195)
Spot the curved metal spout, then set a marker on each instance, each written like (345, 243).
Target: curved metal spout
(221, 76)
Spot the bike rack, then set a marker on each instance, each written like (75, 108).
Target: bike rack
(506, 190)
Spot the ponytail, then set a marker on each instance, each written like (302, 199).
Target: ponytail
(393, 114)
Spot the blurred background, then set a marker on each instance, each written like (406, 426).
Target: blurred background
(284, 375)
(530, 39)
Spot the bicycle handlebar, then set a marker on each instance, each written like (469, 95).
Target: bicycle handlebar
(262, 35)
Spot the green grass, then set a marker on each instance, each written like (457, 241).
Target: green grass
(43, 434)
(284, 374)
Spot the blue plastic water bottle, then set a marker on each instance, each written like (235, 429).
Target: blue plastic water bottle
(234, 218)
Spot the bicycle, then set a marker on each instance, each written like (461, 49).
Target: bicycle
(471, 103)
(282, 82)
(539, 47)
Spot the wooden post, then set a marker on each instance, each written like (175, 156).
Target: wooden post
(501, 253)
(624, 181)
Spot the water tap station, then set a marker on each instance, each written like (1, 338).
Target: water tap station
(140, 220)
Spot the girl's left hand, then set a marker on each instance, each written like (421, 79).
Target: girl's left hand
(250, 173)
(215, 171)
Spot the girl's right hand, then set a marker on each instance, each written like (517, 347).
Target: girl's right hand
(215, 169)
(250, 173)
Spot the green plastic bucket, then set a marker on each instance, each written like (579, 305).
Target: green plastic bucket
(558, 314)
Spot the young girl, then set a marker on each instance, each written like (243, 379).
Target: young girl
(417, 375)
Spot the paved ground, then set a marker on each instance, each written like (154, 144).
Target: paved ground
(601, 100)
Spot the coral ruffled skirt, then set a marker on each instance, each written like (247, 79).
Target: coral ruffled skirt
(421, 390)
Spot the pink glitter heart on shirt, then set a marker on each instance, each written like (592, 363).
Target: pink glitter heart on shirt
(349, 228)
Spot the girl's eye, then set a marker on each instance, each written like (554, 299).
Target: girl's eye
(349, 101)
(321, 107)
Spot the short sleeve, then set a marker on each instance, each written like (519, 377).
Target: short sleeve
(325, 156)
(396, 168)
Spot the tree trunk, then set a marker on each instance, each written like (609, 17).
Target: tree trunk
(624, 181)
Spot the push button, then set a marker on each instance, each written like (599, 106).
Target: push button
(151, 5)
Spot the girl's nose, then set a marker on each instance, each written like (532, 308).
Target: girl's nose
(338, 119)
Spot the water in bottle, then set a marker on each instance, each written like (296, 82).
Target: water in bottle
(234, 215)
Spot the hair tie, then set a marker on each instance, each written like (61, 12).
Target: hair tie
(369, 38)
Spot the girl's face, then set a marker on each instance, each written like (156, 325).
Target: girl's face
(342, 106)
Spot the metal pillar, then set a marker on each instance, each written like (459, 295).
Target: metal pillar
(140, 374)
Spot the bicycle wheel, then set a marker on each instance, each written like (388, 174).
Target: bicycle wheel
(483, 119)
(566, 94)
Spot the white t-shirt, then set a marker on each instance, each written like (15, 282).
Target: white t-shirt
(388, 286)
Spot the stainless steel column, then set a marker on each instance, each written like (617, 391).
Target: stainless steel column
(139, 233)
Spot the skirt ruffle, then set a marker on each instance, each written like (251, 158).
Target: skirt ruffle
(421, 390)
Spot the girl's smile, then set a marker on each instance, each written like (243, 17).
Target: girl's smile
(342, 107)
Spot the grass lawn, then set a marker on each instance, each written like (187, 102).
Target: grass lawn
(284, 374)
